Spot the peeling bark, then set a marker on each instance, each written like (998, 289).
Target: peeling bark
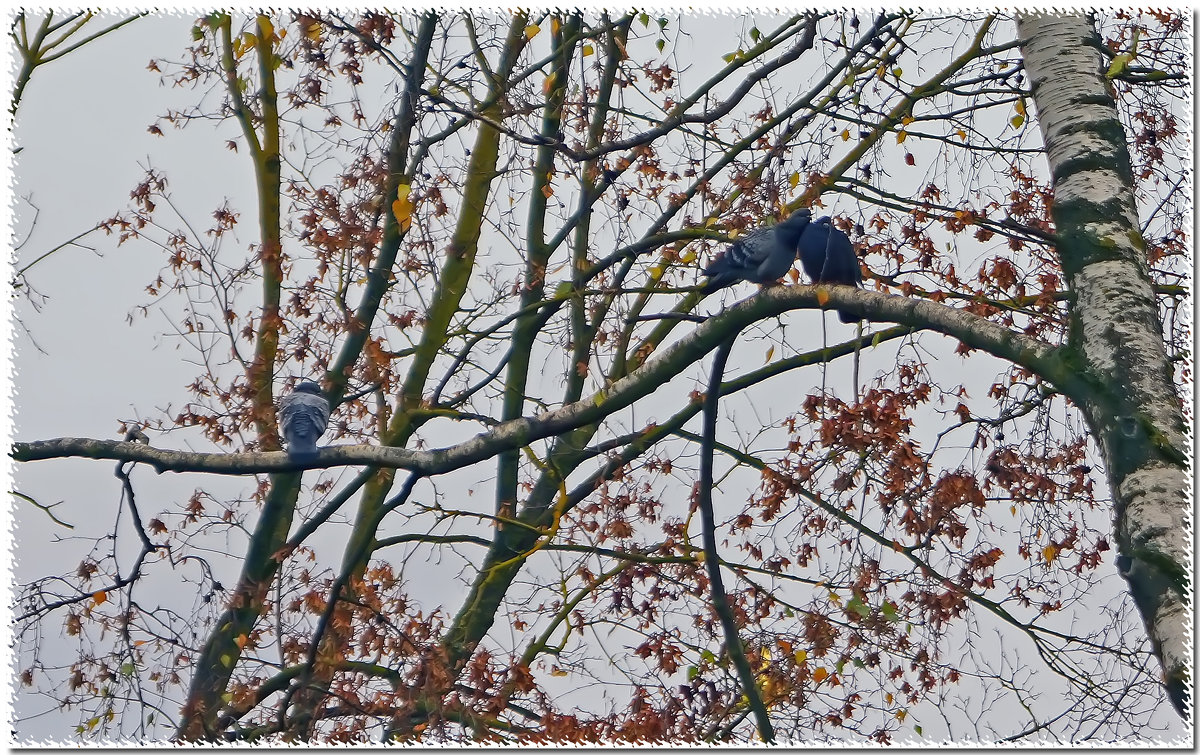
(1116, 336)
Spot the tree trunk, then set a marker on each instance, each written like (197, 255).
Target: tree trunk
(1116, 334)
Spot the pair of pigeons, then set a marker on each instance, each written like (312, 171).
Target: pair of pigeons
(766, 254)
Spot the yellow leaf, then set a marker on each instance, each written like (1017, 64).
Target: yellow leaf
(1020, 106)
(240, 641)
(555, 25)
(901, 714)
(901, 136)
(819, 674)
(897, 72)
(845, 134)
(835, 598)
(906, 120)
(823, 299)
(801, 656)
(889, 698)
(244, 44)
(556, 671)
(548, 84)
(100, 597)
(402, 208)
(794, 179)
(1050, 552)
(266, 27)
(1012, 510)
(1017, 120)
(961, 134)
(770, 353)
(531, 31)
(688, 257)
(313, 32)
(588, 50)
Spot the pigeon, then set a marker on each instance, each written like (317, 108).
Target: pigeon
(762, 256)
(827, 256)
(303, 416)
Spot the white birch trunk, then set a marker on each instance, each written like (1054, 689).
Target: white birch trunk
(1115, 330)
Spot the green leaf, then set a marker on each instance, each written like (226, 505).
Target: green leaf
(692, 673)
(226, 660)
(707, 656)
(888, 609)
(660, 44)
(645, 19)
(127, 669)
(1119, 64)
(917, 729)
(662, 23)
(857, 606)
(755, 34)
(729, 57)
(858, 663)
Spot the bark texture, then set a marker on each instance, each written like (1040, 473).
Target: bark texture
(1116, 338)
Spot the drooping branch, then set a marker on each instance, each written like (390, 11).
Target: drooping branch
(712, 561)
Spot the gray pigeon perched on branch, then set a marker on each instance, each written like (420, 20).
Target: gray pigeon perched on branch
(761, 256)
(303, 416)
(827, 256)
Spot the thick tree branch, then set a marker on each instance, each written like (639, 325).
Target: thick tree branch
(976, 332)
